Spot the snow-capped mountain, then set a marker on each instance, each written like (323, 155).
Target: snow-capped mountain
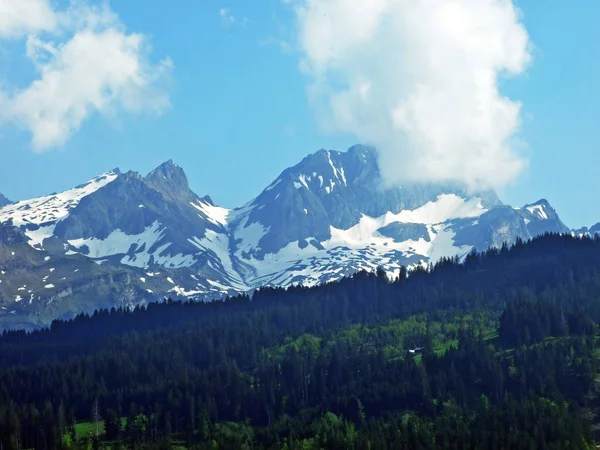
(585, 231)
(123, 238)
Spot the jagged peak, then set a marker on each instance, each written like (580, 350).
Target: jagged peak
(166, 167)
(362, 150)
(208, 199)
(541, 209)
(168, 170)
(4, 201)
(358, 165)
(331, 162)
(130, 174)
(540, 202)
(355, 150)
(170, 180)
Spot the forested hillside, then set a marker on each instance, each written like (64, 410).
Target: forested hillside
(499, 352)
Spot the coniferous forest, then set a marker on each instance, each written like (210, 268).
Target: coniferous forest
(497, 352)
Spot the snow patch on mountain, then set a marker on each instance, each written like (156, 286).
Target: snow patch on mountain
(37, 237)
(54, 207)
(446, 207)
(176, 261)
(537, 210)
(140, 250)
(273, 185)
(247, 236)
(361, 246)
(215, 214)
(40, 215)
(117, 242)
(443, 245)
(218, 245)
(337, 173)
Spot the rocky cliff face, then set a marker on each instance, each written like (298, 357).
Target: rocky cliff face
(125, 239)
(4, 201)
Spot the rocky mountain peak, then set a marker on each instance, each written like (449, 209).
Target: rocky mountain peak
(541, 209)
(170, 180)
(208, 199)
(541, 217)
(4, 201)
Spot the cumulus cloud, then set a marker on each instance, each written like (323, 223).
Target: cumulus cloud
(19, 17)
(86, 62)
(419, 80)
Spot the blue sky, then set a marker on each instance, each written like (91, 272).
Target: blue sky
(239, 111)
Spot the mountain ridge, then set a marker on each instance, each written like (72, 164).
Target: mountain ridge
(326, 217)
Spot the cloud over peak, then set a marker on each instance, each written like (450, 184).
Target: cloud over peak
(85, 61)
(419, 80)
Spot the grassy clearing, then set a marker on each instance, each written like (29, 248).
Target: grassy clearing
(85, 429)
(444, 346)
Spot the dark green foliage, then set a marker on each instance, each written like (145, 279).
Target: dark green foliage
(530, 320)
(328, 367)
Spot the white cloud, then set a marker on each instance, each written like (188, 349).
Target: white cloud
(419, 79)
(88, 63)
(19, 17)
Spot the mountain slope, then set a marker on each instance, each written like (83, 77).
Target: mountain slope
(38, 217)
(142, 237)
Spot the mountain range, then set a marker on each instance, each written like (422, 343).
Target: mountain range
(123, 239)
